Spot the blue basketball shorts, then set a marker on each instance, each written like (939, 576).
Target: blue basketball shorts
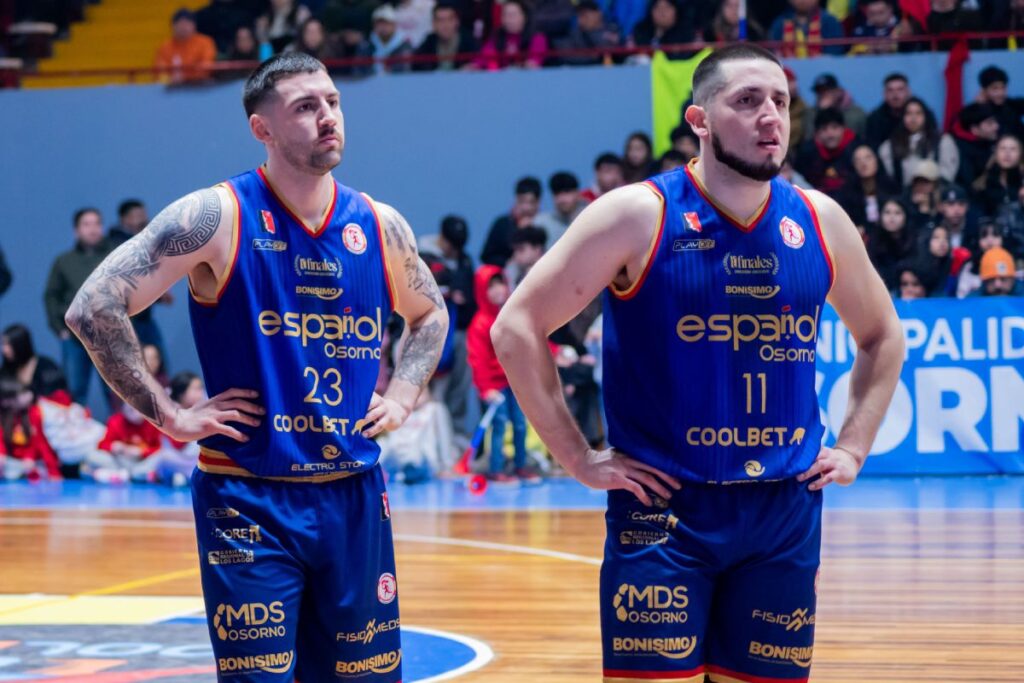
(299, 578)
(720, 580)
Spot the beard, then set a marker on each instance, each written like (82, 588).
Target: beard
(312, 161)
(762, 172)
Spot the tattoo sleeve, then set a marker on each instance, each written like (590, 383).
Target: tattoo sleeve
(425, 337)
(99, 312)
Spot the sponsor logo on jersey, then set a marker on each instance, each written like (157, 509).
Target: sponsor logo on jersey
(312, 326)
(267, 219)
(325, 467)
(801, 656)
(741, 328)
(794, 621)
(324, 293)
(642, 537)
(753, 468)
(330, 451)
(366, 635)
(221, 513)
(354, 239)
(693, 244)
(233, 556)
(792, 233)
(739, 264)
(275, 663)
(319, 424)
(265, 244)
(250, 621)
(749, 437)
(692, 221)
(651, 604)
(383, 663)
(387, 588)
(250, 534)
(753, 291)
(671, 648)
(666, 520)
(317, 267)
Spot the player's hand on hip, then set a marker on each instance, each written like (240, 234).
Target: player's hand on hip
(834, 465)
(385, 414)
(216, 415)
(609, 469)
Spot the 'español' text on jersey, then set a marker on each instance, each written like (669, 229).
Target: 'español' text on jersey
(299, 317)
(709, 356)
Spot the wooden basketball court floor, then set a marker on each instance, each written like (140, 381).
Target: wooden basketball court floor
(915, 585)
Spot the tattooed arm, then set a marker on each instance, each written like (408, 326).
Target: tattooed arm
(420, 303)
(192, 235)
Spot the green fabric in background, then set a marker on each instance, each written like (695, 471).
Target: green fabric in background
(671, 82)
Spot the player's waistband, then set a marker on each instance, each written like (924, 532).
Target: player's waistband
(218, 462)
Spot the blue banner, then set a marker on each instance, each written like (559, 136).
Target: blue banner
(959, 406)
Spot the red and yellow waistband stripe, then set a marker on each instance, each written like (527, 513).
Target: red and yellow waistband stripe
(625, 676)
(719, 674)
(218, 462)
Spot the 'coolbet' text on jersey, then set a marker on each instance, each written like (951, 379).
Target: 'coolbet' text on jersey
(299, 317)
(709, 356)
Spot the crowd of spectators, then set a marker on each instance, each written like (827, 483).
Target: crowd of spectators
(425, 35)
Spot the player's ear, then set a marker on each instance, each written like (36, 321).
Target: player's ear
(698, 120)
(258, 126)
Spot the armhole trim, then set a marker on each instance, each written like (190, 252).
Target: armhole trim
(633, 289)
(826, 250)
(229, 268)
(389, 278)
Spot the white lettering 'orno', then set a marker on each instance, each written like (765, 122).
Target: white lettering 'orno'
(961, 420)
(1007, 408)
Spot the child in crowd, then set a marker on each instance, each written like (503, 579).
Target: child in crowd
(174, 462)
(24, 451)
(124, 450)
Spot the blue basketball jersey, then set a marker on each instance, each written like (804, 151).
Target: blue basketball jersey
(709, 356)
(299, 317)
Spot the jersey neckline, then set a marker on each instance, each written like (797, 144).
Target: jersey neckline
(312, 232)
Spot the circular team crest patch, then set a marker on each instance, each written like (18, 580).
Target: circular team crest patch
(792, 234)
(387, 588)
(354, 238)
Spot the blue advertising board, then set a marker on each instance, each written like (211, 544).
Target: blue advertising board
(959, 406)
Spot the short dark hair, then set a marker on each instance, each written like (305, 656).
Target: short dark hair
(973, 114)
(128, 205)
(528, 185)
(445, 5)
(76, 219)
(895, 76)
(563, 181)
(828, 115)
(672, 155)
(20, 339)
(706, 82)
(608, 158)
(180, 384)
(531, 234)
(261, 82)
(992, 74)
(681, 131)
(455, 230)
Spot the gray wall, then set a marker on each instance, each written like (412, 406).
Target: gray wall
(428, 143)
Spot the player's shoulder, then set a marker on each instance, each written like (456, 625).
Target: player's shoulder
(633, 202)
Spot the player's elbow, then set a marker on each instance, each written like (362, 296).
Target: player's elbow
(76, 315)
(505, 335)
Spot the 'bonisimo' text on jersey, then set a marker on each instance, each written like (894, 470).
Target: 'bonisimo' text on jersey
(709, 357)
(299, 317)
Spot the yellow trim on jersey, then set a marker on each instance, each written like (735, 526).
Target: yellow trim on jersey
(229, 467)
(820, 229)
(651, 248)
(233, 250)
(389, 274)
(747, 224)
(699, 678)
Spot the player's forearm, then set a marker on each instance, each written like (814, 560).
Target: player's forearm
(420, 351)
(98, 316)
(873, 379)
(523, 352)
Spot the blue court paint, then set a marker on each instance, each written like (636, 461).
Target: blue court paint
(926, 493)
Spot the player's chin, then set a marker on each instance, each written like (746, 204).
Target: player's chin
(324, 161)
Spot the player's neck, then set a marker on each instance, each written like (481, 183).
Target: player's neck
(740, 196)
(308, 195)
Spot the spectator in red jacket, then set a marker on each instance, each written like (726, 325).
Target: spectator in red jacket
(129, 441)
(514, 43)
(492, 291)
(24, 450)
(827, 160)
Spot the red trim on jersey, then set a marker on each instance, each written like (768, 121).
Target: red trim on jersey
(721, 211)
(646, 675)
(327, 217)
(821, 236)
(652, 253)
(383, 252)
(750, 678)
